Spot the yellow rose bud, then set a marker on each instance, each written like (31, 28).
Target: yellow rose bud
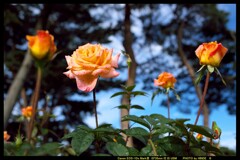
(27, 112)
(41, 45)
(211, 53)
(89, 62)
(6, 136)
(165, 80)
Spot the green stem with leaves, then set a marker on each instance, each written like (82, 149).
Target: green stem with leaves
(203, 97)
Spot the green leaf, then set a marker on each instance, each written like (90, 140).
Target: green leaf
(138, 93)
(25, 147)
(69, 135)
(107, 130)
(137, 120)
(151, 120)
(118, 94)
(160, 151)
(106, 125)
(162, 130)
(179, 123)
(80, 130)
(197, 151)
(133, 152)
(137, 107)
(201, 68)
(117, 149)
(199, 77)
(82, 143)
(202, 130)
(156, 93)
(176, 94)
(83, 127)
(210, 68)
(136, 131)
(210, 148)
(50, 148)
(130, 88)
(122, 107)
(160, 118)
(218, 73)
(182, 120)
(173, 146)
(143, 139)
(146, 151)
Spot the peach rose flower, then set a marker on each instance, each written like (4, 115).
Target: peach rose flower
(41, 45)
(6, 136)
(89, 62)
(166, 80)
(27, 112)
(211, 53)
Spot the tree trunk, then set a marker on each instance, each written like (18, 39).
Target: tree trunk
(16, 86)
(131, 70)
(191, 73)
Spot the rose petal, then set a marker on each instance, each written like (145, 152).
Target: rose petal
(81, 72)
(115, 60)
(86, 83)
(157, 83)
(69, 74)
(97, 72)
(112, 73)
(68, 59)
(199, 51)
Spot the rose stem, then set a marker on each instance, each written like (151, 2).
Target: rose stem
(203, 97)
(35, 100)
(95, 106)
(96, 118)
(168, 104)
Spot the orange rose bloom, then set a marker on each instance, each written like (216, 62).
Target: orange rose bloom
(199, 136)
(166, 80)
(42, 45)
(6, 136)
(27, 112)
(89, 62)
(211, 53)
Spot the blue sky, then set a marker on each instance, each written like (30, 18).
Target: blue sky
(109, 114)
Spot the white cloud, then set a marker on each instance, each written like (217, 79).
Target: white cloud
(228, 139)
(230, 143)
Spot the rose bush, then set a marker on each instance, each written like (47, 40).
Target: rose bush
(211, 53)
(89, 62)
